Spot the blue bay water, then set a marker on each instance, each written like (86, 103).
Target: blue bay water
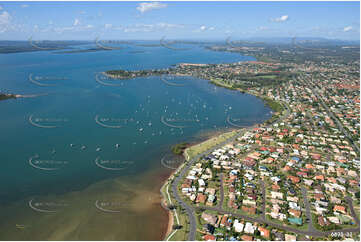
(145, 116)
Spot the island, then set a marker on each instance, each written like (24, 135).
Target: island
(4, 96)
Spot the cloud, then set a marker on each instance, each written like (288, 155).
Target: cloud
(347, 28)
(76, 22)
(280, 19)
(108, 26)
(5, 19)
(1, 7)
(144, 7)
(24, 5)
(204, 28)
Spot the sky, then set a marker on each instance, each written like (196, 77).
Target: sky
(178, 20)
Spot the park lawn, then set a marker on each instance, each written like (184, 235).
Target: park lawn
(263, 76)
(181, 234)
(220, 82)
(204, 146)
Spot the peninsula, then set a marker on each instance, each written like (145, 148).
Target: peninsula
(296, 176)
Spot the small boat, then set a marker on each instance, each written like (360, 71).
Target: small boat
(71, 145)
(53, 151)
(141, 129)
(98, 149)
(150, 123)
(83, 147)
(117, 146)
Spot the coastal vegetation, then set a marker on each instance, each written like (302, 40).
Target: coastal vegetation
(4, 96)
(274, 105)
(178, 149)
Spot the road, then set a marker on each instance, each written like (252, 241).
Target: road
(189, 209)
(330, 113)
(191, 213)
(315, 233)
(263, 215)
(311, 228)
(221, 191)
(353, 213)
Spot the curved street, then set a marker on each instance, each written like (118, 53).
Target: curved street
(261, 219)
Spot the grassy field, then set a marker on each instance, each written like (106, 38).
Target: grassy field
(199, 148)
(221, 83)
(181, 234)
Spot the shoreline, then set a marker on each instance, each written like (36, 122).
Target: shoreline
(167, 181)
(185, 154)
